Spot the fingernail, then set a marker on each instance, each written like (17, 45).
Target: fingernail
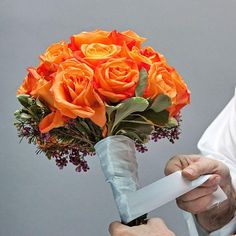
(189, 171)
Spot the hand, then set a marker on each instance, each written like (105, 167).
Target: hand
(198, 200)
(154, 227)
(192, 167)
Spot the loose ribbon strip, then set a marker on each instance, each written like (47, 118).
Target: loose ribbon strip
(165, 190)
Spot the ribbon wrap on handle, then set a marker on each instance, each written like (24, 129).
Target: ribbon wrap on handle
(119, 165)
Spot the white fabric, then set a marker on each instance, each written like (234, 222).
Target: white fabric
(146, 200)
(219, 142)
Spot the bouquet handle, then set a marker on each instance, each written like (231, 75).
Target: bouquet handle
(120, 168)
(138, 221)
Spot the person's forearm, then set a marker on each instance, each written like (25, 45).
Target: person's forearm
(220, 215)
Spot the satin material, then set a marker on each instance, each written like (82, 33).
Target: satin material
(163, 191)
(119, 165)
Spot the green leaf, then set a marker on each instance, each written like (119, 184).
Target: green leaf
(135, 130)
(135, 104)
(131, 135)
(142, 83)
(110, 109)
(24, 100)
(87, 129)
(172, 122)
(82, 128)
(156, 118)
(143, 131)
(39, 103)
(160, 103)
(25, 116)
(22, 115)
(35, 109)
(135, 127)
(17, 113)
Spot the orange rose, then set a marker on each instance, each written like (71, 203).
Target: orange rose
(117, 79)
(138, 40)
(51, 121)
(143, 57)
(163, 79)
(154, 56)
(96, 52)
(57, 53)
(36, 86)
(42, 91)
(29, 82)
(74, 94)
(54, 55)
(97, 36)
(114, 37)
(135, 54)
(183, 94)
(128, 37)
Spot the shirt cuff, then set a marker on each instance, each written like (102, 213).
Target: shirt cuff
(227, 230)
(196, 230)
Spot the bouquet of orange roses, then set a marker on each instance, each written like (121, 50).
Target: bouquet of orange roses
(99, 85)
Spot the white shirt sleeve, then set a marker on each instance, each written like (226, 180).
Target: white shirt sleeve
(219, 142)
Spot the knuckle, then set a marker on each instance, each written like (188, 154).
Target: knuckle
(171, 233)
(185, 197)
(197, 166)
(181, 204)
(166, 232)
(169, 166)
(187, 206)
(202, 205)
(224, 169)
(167, 170)
(156, 221)
(210, 182)
(120, 232)
(175, 163)
(176, 158)
(111, 228)
(198, 208)
(160, 221)
(193, 209)
(116, 230)
(214, 188)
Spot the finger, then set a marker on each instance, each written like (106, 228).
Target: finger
(198, 193)
(213, 180)
(196, 206)
(157, 222)
(201, 167)
(116, 227)
(179, 162)
(158, 225)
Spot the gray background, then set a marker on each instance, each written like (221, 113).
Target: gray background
(197, 37)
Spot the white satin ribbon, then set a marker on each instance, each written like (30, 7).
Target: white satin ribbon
(165, 190)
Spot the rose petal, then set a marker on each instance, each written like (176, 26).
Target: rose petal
(51, 121)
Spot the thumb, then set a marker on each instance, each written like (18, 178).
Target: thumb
(116, 227)
(201, 167)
